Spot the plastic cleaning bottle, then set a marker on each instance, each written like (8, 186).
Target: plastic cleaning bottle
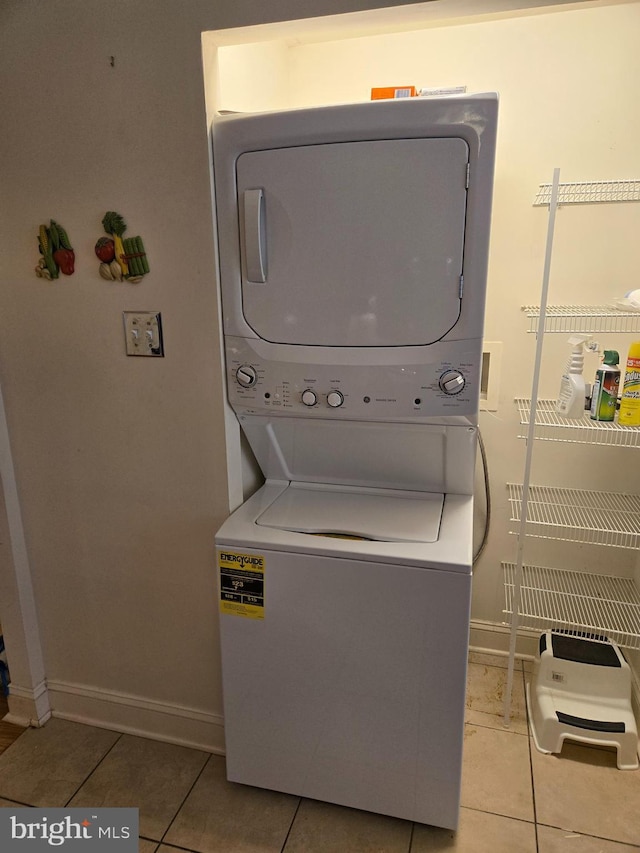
(571, 397)
(630, 403)
(605, 388)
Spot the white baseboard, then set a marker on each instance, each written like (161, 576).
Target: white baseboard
(189, 726)
(135, 715)
(492, 638)
(28, 706)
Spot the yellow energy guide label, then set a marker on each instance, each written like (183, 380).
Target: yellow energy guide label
(242, 584)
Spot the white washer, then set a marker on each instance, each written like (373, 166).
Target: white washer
(351, 688)
(353, 252)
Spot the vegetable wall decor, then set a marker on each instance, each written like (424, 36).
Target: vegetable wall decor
(57, 255)
(122, 258)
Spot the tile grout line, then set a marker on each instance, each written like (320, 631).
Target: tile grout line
(90, 774)
(20, 803)
(184, 800)
(494, 728)
(604, 838)
(293, 820)
(499, 814)
(533, 787)
(173, 846)
(413, 829)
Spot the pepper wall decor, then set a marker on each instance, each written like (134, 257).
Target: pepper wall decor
(57, 256)
(122, 258)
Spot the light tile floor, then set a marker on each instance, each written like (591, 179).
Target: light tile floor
(514, 799)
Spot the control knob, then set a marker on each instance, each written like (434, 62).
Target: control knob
(246, 376)
(309, 397)
(451, 382)
(335, 399)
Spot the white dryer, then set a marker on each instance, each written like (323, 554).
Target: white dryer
(353, 251)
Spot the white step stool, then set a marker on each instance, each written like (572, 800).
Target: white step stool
(581, 690)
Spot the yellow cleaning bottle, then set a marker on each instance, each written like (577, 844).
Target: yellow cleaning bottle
(630, 403)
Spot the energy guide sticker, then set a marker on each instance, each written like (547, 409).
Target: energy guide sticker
(242, 584)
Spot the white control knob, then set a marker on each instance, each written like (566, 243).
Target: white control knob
(309, 397)
(246, 376)
(335, 399)
(451, 382)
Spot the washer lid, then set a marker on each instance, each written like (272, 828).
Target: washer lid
(385, 515)
(353, 244)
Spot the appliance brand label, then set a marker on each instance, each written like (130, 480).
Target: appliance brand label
(242, 584)
(82, 830)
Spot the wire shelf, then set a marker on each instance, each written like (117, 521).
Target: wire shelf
(590, 192)
(583, 318)
(579, 515)
(576, 601)
(550, 426)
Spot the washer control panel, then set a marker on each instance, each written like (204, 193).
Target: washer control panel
(446, 384)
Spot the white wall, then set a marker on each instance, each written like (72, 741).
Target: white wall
(120, 463)
(254, 76)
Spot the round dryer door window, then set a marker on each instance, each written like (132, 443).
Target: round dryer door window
(353, 244)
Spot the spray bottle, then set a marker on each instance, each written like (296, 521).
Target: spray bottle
(630, 403)
(605, 388)
(572, 394)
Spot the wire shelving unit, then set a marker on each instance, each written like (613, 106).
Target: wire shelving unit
(588, 319)
(537, 597)
(550, 426)
(590, 192)
(594, 605)
(578, 515)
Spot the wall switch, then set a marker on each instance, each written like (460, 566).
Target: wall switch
(143, 333)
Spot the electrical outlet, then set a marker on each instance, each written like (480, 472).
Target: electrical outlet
(143, 333)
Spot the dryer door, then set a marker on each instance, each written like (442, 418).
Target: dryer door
(353, 244)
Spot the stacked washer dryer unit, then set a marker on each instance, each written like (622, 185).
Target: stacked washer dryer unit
(353, 251)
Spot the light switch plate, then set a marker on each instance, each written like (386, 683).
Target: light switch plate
(143, 333)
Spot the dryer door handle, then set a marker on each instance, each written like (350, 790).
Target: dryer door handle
(255, 236)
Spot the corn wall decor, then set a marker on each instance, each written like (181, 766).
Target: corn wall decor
(122, 258)
(56, 254)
